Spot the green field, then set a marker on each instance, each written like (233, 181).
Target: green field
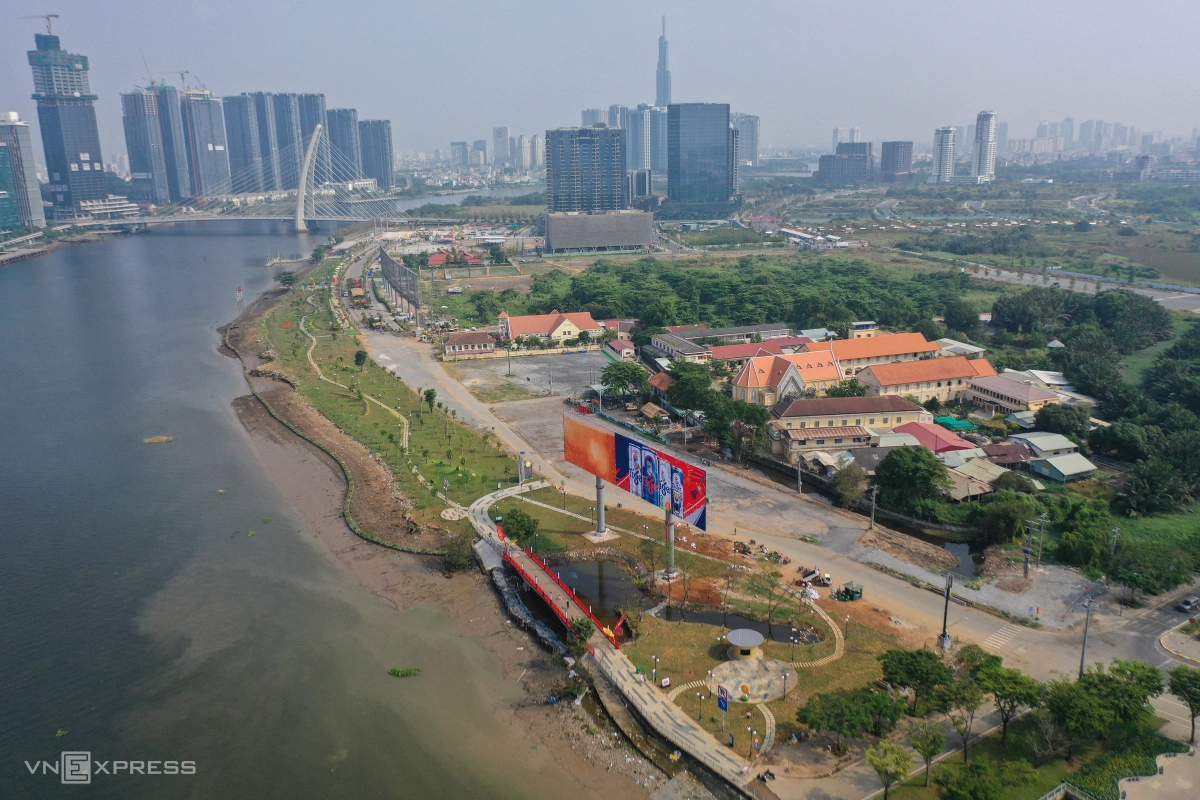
(1133, 367)
(440, 447)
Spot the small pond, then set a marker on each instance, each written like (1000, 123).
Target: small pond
(607, 588)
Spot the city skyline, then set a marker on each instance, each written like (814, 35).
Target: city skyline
(1082, 87)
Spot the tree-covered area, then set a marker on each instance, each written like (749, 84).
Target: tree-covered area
(805, 291)
(1163, 202)
(1000, 242)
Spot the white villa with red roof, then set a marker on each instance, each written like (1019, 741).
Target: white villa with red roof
(555, 326)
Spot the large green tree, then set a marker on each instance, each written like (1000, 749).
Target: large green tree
(923, 671)
(691, 386)
(1012, 690)
(623, 377)
(1069, 420)
(840, 715)
(928, 738)
(909, 475)
(1077, 712)
(1185, 685)
(891, 763)
(962, 699)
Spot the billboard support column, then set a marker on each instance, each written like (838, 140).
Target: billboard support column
(600, 529)
(670, 573)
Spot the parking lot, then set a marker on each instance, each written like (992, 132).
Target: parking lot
(532, 376)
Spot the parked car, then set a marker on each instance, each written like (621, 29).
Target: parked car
(1189, 605)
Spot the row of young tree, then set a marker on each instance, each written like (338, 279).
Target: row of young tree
(1068, 714)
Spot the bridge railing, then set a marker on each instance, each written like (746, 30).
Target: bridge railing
(570, 593)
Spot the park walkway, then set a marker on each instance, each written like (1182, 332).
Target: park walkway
(668, 719)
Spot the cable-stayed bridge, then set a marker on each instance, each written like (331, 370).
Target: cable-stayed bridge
(294, 184)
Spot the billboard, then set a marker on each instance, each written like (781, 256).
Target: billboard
(639, 468)
(403, 280)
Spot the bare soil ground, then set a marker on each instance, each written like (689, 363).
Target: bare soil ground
(908, 548)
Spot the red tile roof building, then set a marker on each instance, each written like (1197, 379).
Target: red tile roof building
(944, 378)
(857, 354)
(556, 325)
(934, 437)
(765, 379)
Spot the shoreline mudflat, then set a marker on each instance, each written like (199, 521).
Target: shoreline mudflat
(315, 486)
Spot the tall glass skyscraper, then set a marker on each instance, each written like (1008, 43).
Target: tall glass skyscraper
(170, 119)
(245, 153)
(291, 143)
(747, 126)
(15, 133)
(585, 169)
(268, 145)
(67, 118)
(312, 114)
(204, 132)
(144, 144)
(344, 145)
(983, 149)
(662, 92)
(375, 138)
(10, 217)
(702, 155)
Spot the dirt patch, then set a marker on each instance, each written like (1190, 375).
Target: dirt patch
(908, 548)
(1006, 570)
(699, 591)
(1014, 585)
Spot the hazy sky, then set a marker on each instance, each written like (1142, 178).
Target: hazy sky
(452, 69)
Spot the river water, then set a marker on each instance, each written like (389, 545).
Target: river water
(140, 621)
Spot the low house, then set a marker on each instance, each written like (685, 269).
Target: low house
(817, 334)
(469, 342)
(462, 259)
(660, 382)
(555, 327)
(1051, 381)
(1023, 419)
(857, 354)
(892, 440)
(789, 444)
(934, 437)
(619, 325)
(735, 356)
(680, 342)
(1046, 445)
(621, 350)
(679, 348)
(653, 413)
(953, 347)
(955, 424)
(765, 379)
(1009, 454)
(880, 414)
(944, 378)
(1064, 468)
(998, 394)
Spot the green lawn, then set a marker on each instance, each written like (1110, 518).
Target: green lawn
(440, 447)
(1133, 367)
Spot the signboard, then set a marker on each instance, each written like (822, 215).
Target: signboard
(403, 280)
(722, 698)
(638, 468)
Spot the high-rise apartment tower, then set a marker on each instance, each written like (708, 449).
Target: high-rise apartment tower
(344, 146)
(15, 133)
(943, 155)
(983, 151)
(144, 144)
(67, 118)
(375, 138)
(585, 169)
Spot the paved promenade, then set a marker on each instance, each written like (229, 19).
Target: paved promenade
(668, 719)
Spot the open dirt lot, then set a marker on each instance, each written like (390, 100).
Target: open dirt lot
(532, 376)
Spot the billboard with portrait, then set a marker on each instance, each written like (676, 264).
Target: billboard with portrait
(639, 468)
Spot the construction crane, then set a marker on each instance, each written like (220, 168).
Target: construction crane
(49, 21)
(146, 64)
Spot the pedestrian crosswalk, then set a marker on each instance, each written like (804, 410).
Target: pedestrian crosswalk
(998, 640)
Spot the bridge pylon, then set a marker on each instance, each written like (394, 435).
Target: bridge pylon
(305, 175)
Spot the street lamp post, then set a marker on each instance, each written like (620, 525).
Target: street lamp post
(654, 670)
(1089, 605)
(1112, 552)
(945, 637)
(699, 707)
(785, 677)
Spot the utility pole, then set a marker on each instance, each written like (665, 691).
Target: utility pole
(1041, 538)
(1112, 552)
(874, 494)
(944, 639)
(799, 476)
(1090, 604)
(670, 523)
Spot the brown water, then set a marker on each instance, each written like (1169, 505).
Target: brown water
(139, 618)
